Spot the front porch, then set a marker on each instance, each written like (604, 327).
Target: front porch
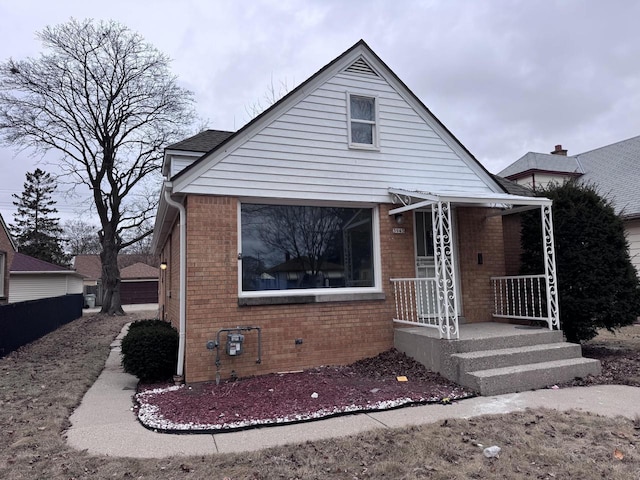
(493, 358)
(453, 316)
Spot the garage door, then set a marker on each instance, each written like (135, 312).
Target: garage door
(138, 292)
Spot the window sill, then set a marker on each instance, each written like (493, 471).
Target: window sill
(304, 299)
(364, 146)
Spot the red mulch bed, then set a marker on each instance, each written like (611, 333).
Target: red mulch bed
(275, 399)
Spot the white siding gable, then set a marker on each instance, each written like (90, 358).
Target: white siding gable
(302, 152)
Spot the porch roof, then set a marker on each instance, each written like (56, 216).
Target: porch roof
(413, 199)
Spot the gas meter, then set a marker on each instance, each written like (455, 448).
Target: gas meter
(234, 343)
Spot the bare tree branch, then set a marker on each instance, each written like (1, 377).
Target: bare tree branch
(106, 100)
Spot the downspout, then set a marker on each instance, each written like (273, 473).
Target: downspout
(183, 276)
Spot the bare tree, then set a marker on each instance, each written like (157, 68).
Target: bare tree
(271, 95)
(106, 100)
(81, 237)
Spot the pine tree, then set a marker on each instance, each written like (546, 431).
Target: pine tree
(37, 232)
(598, 286)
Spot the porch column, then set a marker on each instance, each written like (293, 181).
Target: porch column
(445, 269)
(550, 267)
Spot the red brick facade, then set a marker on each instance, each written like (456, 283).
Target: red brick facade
(6, 250)
(480, 256)
(334, 332)
(512, 231)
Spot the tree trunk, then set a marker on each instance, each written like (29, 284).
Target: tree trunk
(111, 303)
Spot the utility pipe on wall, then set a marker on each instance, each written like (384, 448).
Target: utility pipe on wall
(183, 275)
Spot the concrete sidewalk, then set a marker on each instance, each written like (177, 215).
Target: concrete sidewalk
(151, 307)
(104, 424)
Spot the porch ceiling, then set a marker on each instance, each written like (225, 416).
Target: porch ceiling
(412, 200)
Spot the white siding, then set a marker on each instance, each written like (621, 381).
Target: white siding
(304, 152)
(633, 237)
(32, 287)
(74, 284)
(179, 163)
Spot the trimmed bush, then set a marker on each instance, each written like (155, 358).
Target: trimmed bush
(150, 350)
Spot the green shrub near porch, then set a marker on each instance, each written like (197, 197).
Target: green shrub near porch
(150, 350)
(598, 285)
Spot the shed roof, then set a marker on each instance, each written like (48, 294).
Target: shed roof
(25, 263)
(139, 270)
(90, 265)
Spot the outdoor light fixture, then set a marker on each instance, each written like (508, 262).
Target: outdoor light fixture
(399, 218)
(163, 266)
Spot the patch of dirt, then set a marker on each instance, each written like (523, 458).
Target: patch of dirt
(620, 366)
(369, 384)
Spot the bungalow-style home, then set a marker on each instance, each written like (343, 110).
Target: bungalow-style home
(139, 280)
(343, 221)
(32, 279)
(7, 251)
(614, 169)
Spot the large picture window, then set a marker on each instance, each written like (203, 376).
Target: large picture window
(288, 247)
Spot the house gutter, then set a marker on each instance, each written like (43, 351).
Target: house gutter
(183, 275)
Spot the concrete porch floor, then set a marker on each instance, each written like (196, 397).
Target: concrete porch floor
(480, 330)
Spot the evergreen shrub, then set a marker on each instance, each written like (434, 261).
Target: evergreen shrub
(150, 350)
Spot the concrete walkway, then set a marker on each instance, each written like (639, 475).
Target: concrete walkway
(104, 423)
(151, 307)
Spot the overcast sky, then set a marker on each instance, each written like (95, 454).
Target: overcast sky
(506, 77)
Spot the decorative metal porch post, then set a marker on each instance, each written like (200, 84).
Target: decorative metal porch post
(553, 318)
(445, 269)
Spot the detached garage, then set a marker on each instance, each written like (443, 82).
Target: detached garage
(139, 284)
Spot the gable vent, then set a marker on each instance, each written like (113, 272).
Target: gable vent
(360, 67)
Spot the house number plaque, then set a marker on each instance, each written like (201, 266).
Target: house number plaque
(399, 230)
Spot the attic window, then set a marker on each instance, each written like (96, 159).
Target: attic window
(363, 121)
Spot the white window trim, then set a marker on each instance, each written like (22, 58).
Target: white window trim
(377, 261)
(375, 123)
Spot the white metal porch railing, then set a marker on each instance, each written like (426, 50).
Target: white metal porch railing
(416, 301)
(522, 297)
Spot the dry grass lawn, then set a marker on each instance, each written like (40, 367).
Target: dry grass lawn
(42, 383)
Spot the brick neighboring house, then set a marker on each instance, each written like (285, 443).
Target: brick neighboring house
(138, 273)
(341, 213)
(614, 170)
(7, 251)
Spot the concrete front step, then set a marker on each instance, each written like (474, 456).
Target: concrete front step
(515, 338)
(496, 381)
(506, 357)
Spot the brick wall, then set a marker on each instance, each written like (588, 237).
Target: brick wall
(512, 228)
(169, 284)
(331, 332)
(479, 234)
(7, 250)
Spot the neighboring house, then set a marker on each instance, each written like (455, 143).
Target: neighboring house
(139, 279)
(31, 279)
(7, 250)
(365, 212)
(614, 170)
